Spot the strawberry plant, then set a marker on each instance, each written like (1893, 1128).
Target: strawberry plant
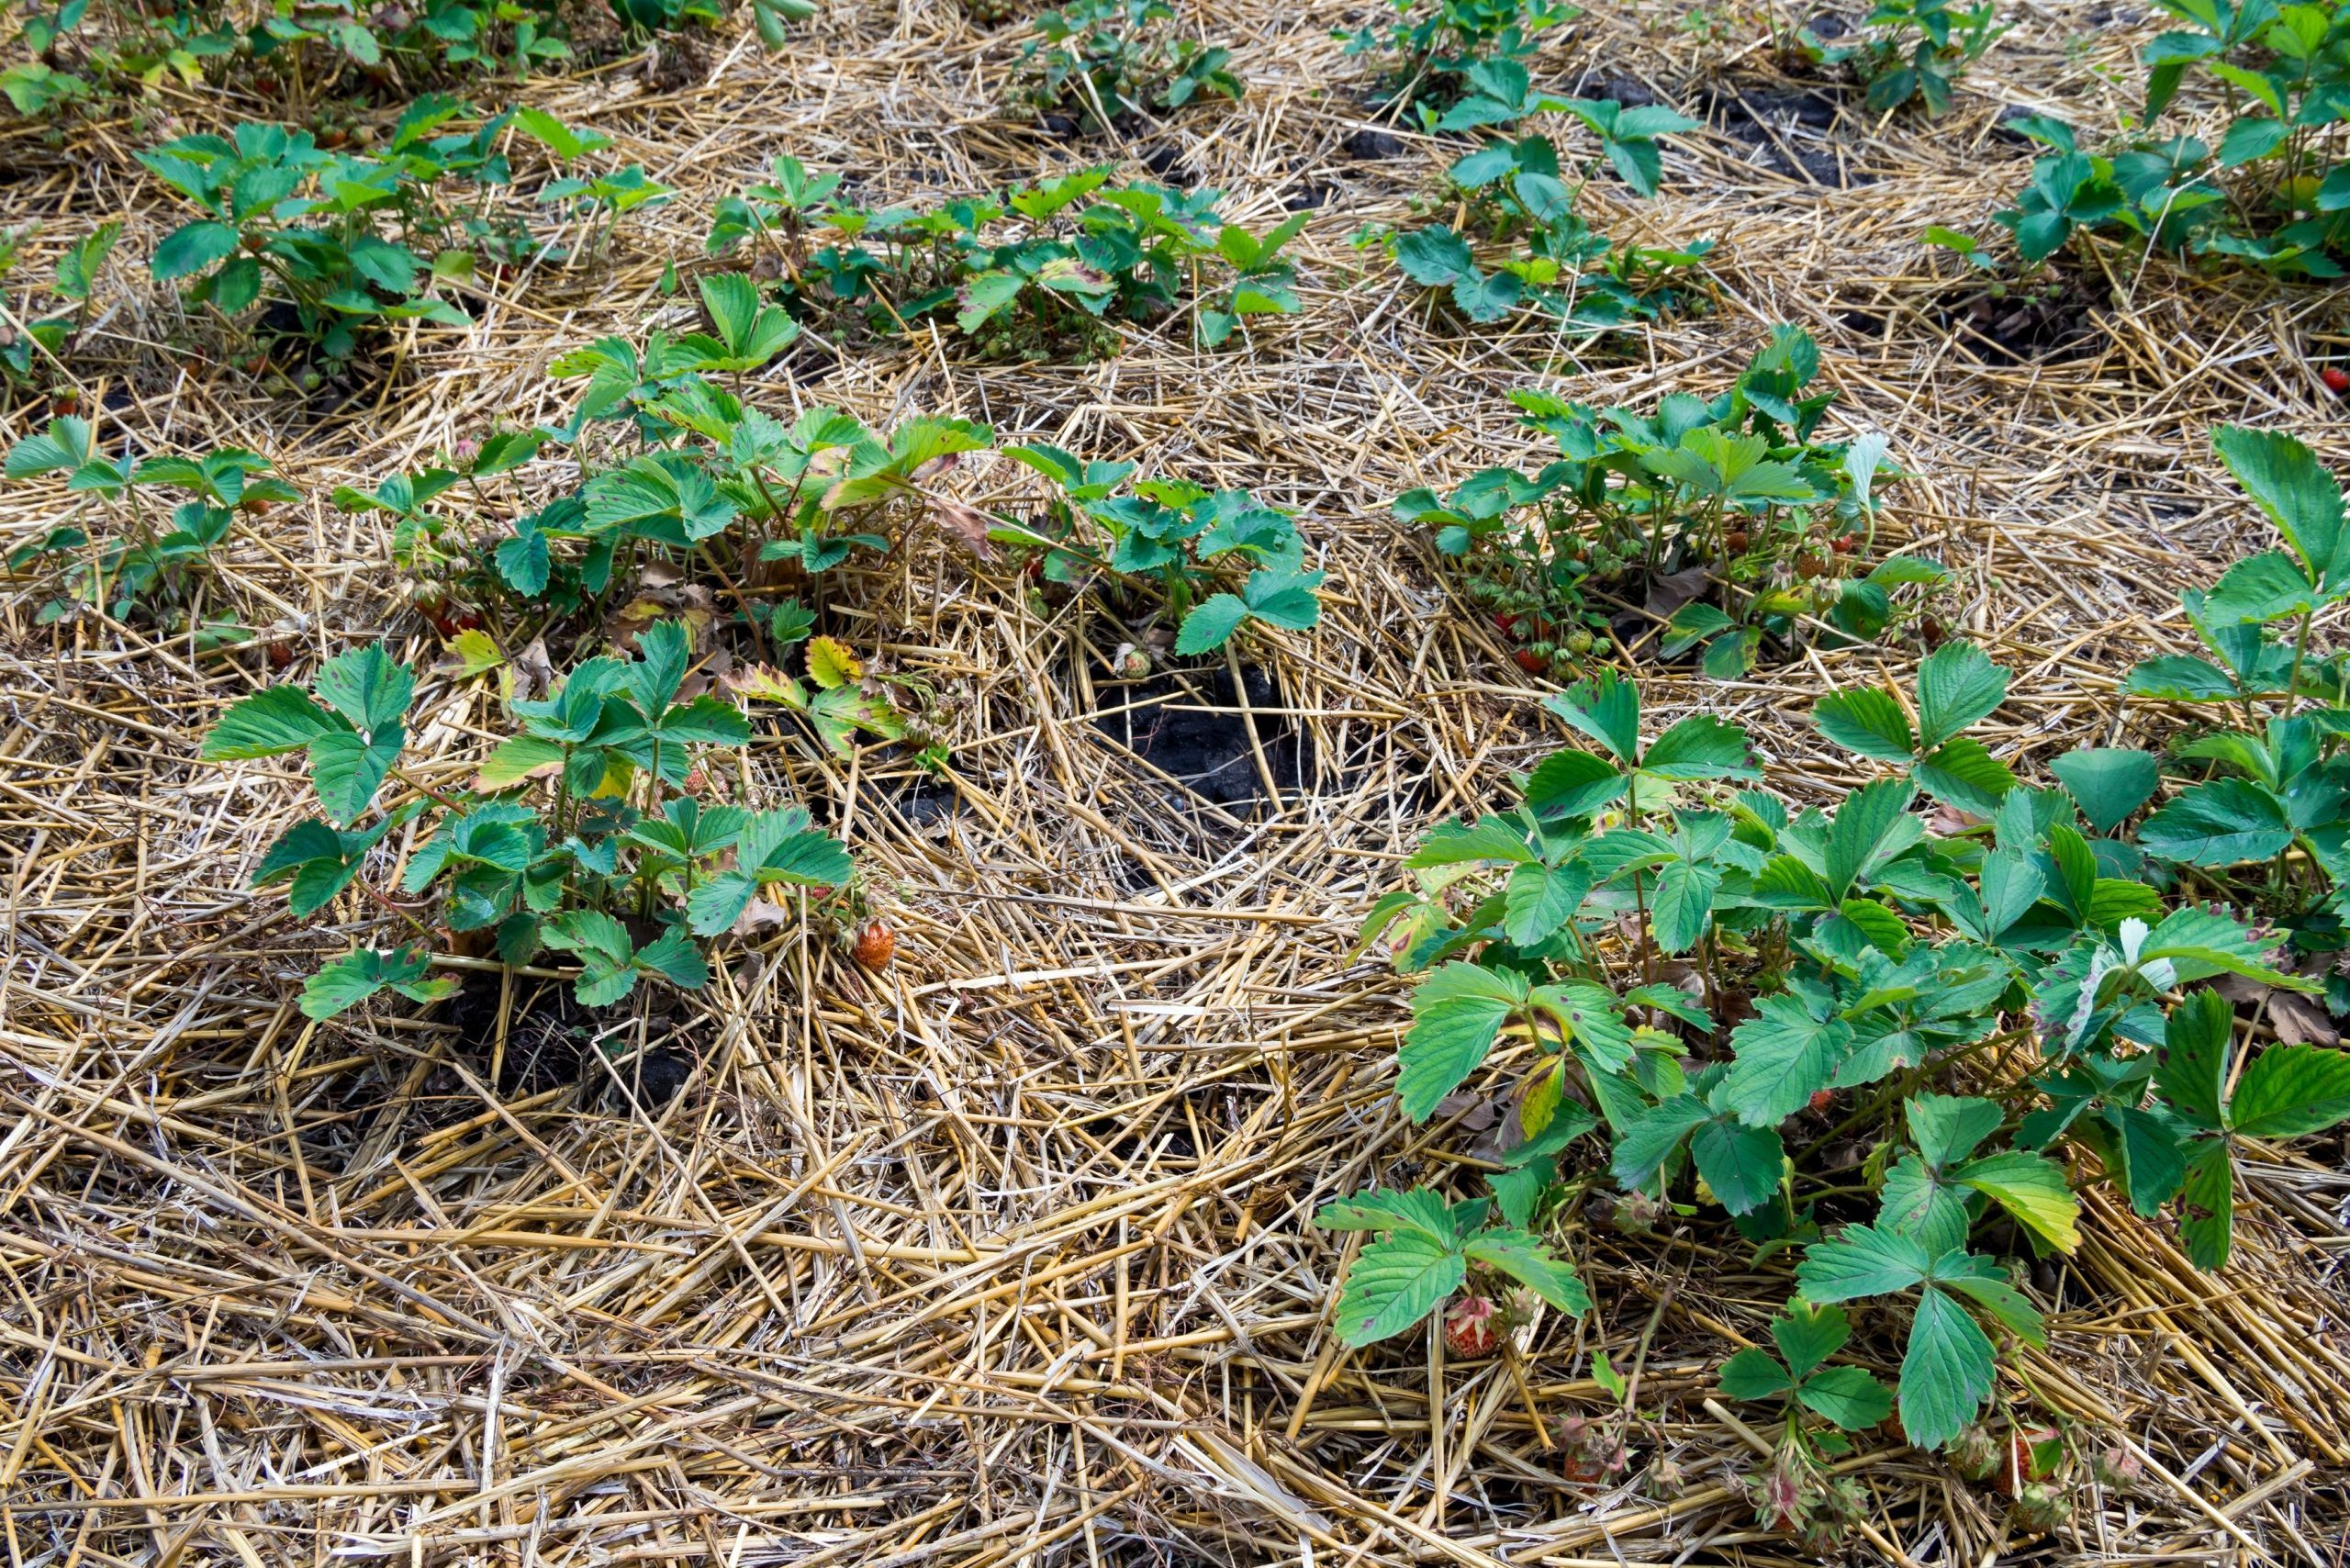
(34, 357)
(1912, 51)
(1047, 268)
(1110, 62)
(1423, 1252)
(342, 238)
(1752, 520)
(1519, 191)
(2274, 192)
(1182, 540)
(576, 835)
(139, 567)
(778, 211)
(1871, 952)
(1848, 1398)
(78, 51)
(584, 196)
(1432, 46)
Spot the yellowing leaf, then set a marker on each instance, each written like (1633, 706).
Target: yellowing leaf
(618, 772)
(830, 665)
(474, 653)
(768, 684)
(1542, 1102)
(523, 757)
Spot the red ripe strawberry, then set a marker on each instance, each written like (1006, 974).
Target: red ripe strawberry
(468, 622)
(1823, 1098)
(65, 403)
(1470, 1331)
(874, 946)
(2336, 379)
(280, 655)
(1505, 624)
(1841, 547)
(1530, 662)
(440, 623)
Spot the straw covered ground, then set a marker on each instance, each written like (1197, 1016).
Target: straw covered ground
(1003, 1254)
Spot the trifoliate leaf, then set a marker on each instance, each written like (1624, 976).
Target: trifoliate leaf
(1394, 1282)
(1456, 1013)
(1784, 1057)
(1957, 685)
(1946, 1372)
(354, 978)
(1869, 722)
(2291, 1089)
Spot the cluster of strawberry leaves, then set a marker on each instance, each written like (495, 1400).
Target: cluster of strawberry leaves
(577, 834)
(1040, 269)
(79, 51)
(1740, 489)
(1875, 946)
(696, 466)
(352, 241)
(145, 571)
(1518, 190)
(2275, 191)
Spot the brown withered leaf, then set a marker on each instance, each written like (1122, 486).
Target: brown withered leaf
(1476, 1111)
(760, 914)
(533, 671)
(968, 524)
(2301, 1022)
(1670, 591)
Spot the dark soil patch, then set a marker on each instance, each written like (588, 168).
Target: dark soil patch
(1629, 90)
(1188, 725)
(923, 800)
(2047, 322)
(1166, 162)
(551, 1043)
(1795, 127)
(548, 1034)
(1064, 126)
(654, 1077)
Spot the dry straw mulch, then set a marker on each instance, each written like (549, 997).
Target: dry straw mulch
(1004, 1255)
